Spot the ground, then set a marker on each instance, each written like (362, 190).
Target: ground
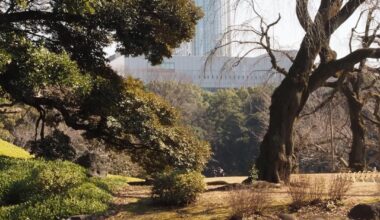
(133, 202)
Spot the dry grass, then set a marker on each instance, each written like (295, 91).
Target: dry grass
(134, 202)
(247, 202)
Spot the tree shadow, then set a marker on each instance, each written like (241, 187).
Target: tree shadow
(146, 206)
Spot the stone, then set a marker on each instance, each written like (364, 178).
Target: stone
(236, 217)
(96, 164)
(365, 212)
(284, 216)
(79, 217)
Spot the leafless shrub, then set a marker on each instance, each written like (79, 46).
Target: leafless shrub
(305, 190)
(298, 190)
(317, 189)
(247, 202)
(339, 186)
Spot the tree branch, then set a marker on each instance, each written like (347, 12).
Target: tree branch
(325, 71)
(38, 15)
(348, 9)
(303, 14)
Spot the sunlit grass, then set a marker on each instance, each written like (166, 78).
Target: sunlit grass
(10, 150)
(118, 178)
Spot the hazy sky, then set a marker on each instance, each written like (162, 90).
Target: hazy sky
(288, 33)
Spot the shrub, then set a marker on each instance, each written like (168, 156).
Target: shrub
(42, 179)
(84, 199)
(247, 202)
(305, 190)
(339, 187)
(37, 189)
(57, 177)
(254, 173)
(177, 188)
(12, 172)
(317, 188)
(298, 190)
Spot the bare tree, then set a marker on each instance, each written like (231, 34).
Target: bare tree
(306, 74)
(357, 85)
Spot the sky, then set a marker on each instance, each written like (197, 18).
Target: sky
(287, 33)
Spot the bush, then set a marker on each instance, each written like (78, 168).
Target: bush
(304, 190)
(57, 177)
(177, 188)
(37, 189)
(247, 202)
(84, 199)
(339, 187)
(298, 190)
(12, 172)
(43, 178)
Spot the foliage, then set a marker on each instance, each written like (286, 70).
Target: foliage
(53, 60)
(237, 118)
(253, 173)
(232, 120)
(120, 163)
(37, 189)
(177, 188)
(189, 99)
(53, 147)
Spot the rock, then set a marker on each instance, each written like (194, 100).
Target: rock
(365, 212)
(236, 217)
(96, 164)
(284, 216)
(79, 217)
(266, 185)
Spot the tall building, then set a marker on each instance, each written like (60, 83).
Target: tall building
(220, 72)
(210, 30)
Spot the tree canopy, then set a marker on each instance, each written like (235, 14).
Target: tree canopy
(52, 58)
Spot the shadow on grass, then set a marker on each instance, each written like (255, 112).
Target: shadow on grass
(146, 207)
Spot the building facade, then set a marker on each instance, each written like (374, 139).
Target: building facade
(220, 72)
(210, 30)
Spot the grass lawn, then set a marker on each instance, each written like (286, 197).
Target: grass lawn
(127, 179)
(10, 150)
(134, 202)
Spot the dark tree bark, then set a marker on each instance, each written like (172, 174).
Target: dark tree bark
(277, 160)
(357, 155)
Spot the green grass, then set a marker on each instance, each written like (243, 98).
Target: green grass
(118, 178)
(114, 183)
(10, 150)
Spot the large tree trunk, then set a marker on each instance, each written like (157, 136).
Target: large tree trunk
(358, 153)
(277, 159)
